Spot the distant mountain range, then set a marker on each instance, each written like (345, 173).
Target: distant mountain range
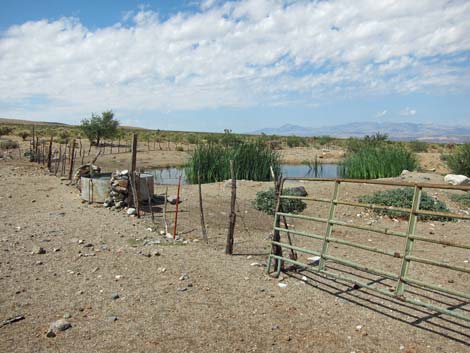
(396, 131)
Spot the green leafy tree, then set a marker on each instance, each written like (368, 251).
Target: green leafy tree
(100, 127)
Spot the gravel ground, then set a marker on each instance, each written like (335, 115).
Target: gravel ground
(226, 303)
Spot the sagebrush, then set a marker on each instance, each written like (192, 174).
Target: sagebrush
(266, 201)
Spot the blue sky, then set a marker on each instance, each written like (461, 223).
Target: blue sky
(243, 65)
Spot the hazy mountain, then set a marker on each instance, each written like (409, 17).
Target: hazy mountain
(396, 131)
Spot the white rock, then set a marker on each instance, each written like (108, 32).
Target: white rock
(304, 278)
(314, 260)
(404, 172)
(282, 285)
(455, 179)
(131, 211)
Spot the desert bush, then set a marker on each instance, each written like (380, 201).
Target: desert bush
(463, 199)
(372, 162)
(403, 198)
(8, 144)
(251, 162)
(295, 141)
(5, 130)
(24, 134)
(459, 160)
(266, 201)
(324, 140)
(418, 146)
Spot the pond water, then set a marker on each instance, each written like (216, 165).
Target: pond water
(169, 176)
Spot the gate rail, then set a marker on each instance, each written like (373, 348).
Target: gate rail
(402, 278)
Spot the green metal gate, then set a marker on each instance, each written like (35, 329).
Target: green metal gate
(401, 279)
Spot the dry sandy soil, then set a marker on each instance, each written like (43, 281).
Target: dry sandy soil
(228, 303)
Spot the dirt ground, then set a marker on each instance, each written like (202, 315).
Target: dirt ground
(227, 303)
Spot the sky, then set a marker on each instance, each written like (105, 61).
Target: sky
(242, 65)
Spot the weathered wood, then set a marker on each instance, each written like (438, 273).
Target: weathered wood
(177, 207)
(149, 200)
(276, 249)
(132, 191)
(49, 156)
(233, 215)
(72, 159)
(201, 209)
(138, 193)
(164, 211)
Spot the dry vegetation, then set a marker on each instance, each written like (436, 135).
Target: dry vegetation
(228, 303)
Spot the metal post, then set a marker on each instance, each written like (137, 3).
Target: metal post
(329, 227)
(409, 239)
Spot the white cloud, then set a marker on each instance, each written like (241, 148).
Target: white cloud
(408, 112)
(237, 54)
(381, 114)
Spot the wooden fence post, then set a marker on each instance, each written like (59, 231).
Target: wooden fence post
(201, 210)
(233, 215)
(72, 159)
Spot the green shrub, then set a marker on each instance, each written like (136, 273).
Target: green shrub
(24, 134)
(324, 140)
(251, 162)
(266, 201)
(8, 144)
(418, 146)
(403, 198)
(459, 160)
(372, 162)
(5, 130)
(295, 141)
(463, 199)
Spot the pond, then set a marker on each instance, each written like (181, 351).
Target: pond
(169, 176)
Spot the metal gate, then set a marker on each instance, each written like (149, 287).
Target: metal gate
(401, 278)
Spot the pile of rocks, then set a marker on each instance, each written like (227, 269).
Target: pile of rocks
(119, 190)
(84, 171)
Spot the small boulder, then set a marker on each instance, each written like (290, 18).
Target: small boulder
(455, 179)
(38, 250)
(59, 326)
(172, 200)
(131, 211)
(299, 191)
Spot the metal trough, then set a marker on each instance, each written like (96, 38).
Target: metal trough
(95, 189)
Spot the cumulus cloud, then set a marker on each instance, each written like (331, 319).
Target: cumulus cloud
(408, 112)
(381, 114)
(237, 54)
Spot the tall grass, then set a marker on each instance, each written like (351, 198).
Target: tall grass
(372, 162)
(251, 162)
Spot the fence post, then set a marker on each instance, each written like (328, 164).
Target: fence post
(329, 227)
(233, 215)
(409, 241)
(201, 209)
(72, 159)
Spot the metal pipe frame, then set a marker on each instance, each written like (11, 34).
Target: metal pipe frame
(406, 257)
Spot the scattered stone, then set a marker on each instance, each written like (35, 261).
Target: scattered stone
(190, 284)
(182, 289)
(67, 316)
(172, 199)
(455, 179)
(114, 296)
(33, 201)
(358, 327)
(282, 285)
(55, 249)
(184, 277)
(304, 278)
(404, 172)
(112, 318)
(314, 260)
(131, 211)
(59, 326)
(38, 250)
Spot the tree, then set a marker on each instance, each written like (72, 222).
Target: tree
(99, 127)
